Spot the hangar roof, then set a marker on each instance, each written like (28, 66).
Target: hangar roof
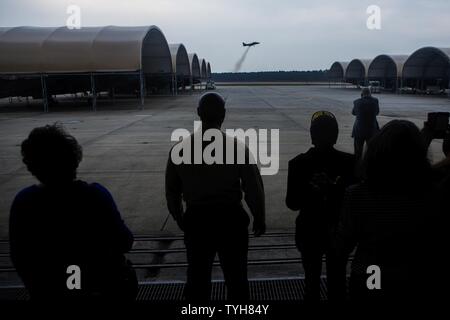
(337, 70)
(89, 49)
(208, 70)
(203, 68)
(180, 59)
(428, 62)
(195, 65)
(357, 68)
(387, 65)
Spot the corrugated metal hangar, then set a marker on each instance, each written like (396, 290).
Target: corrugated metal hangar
(387, 69)
(44, 62)
(424, 71)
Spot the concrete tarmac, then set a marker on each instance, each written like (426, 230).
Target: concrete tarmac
(126, 148)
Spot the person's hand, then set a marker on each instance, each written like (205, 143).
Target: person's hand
(259, 228)
(320, 182)
(427, 133)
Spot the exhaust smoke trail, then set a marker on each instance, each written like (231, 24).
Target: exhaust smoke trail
(241, 60)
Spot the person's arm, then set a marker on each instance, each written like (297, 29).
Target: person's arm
(355, 110)
(293, 190)
(174, 189)
(444, 163)
(253, 188)
(428, 135)
(18, 236)
(121, 236)
(377, 107)
(346, 231)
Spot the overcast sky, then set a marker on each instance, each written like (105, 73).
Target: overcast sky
(294, 34)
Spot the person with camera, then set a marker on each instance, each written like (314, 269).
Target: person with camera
(316, 183)
(437, 127)
(395, 218)
(366, 125)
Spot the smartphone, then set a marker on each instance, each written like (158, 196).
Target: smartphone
(438, 122)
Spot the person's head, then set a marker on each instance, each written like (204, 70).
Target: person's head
(211, 109)
(51, 155)
(365, 92)
(324, 130)
(397, 156)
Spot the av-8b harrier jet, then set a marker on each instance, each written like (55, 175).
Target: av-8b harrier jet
(251, 44)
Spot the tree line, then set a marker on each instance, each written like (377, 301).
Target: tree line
(294, 76)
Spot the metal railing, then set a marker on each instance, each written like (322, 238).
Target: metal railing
(285, 245)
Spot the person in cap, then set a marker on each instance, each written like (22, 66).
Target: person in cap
(214, 220)
(316, 184)
(366, 125)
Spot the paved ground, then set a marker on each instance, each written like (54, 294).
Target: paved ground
(126, 148)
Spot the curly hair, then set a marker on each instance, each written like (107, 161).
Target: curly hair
(51, 154)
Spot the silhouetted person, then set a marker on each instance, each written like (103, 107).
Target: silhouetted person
(63, 222)
(438, 234)
(214, 220)
(389, 218)
(442, 167)
(316, 183)
(366, 110)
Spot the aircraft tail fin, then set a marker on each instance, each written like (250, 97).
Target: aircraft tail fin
(243, 44)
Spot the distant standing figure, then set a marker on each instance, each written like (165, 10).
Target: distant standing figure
(215, 221)
(316, 183)
(64, 222)
(366, 110)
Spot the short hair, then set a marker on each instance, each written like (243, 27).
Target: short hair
(365, 92)
(51, 154)
(324, 129)
(211, 108)
(397, 156)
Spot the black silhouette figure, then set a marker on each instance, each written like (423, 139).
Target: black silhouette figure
(437, 225)
(214, 220)
(366, 110)
(390, 218)
(316, 183)
(63, 222)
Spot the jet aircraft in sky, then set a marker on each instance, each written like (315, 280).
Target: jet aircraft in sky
(251, 44)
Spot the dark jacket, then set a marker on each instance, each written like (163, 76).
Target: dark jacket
(213, 185)
(366, 110)
(397, 231)
(77, 224)
(319, 210)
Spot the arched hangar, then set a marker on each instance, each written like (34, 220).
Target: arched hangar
(337, 71)
(181, 66)
(387, 69)
(195, 68)
(356, 72)
(427, 68)
(48, 61)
